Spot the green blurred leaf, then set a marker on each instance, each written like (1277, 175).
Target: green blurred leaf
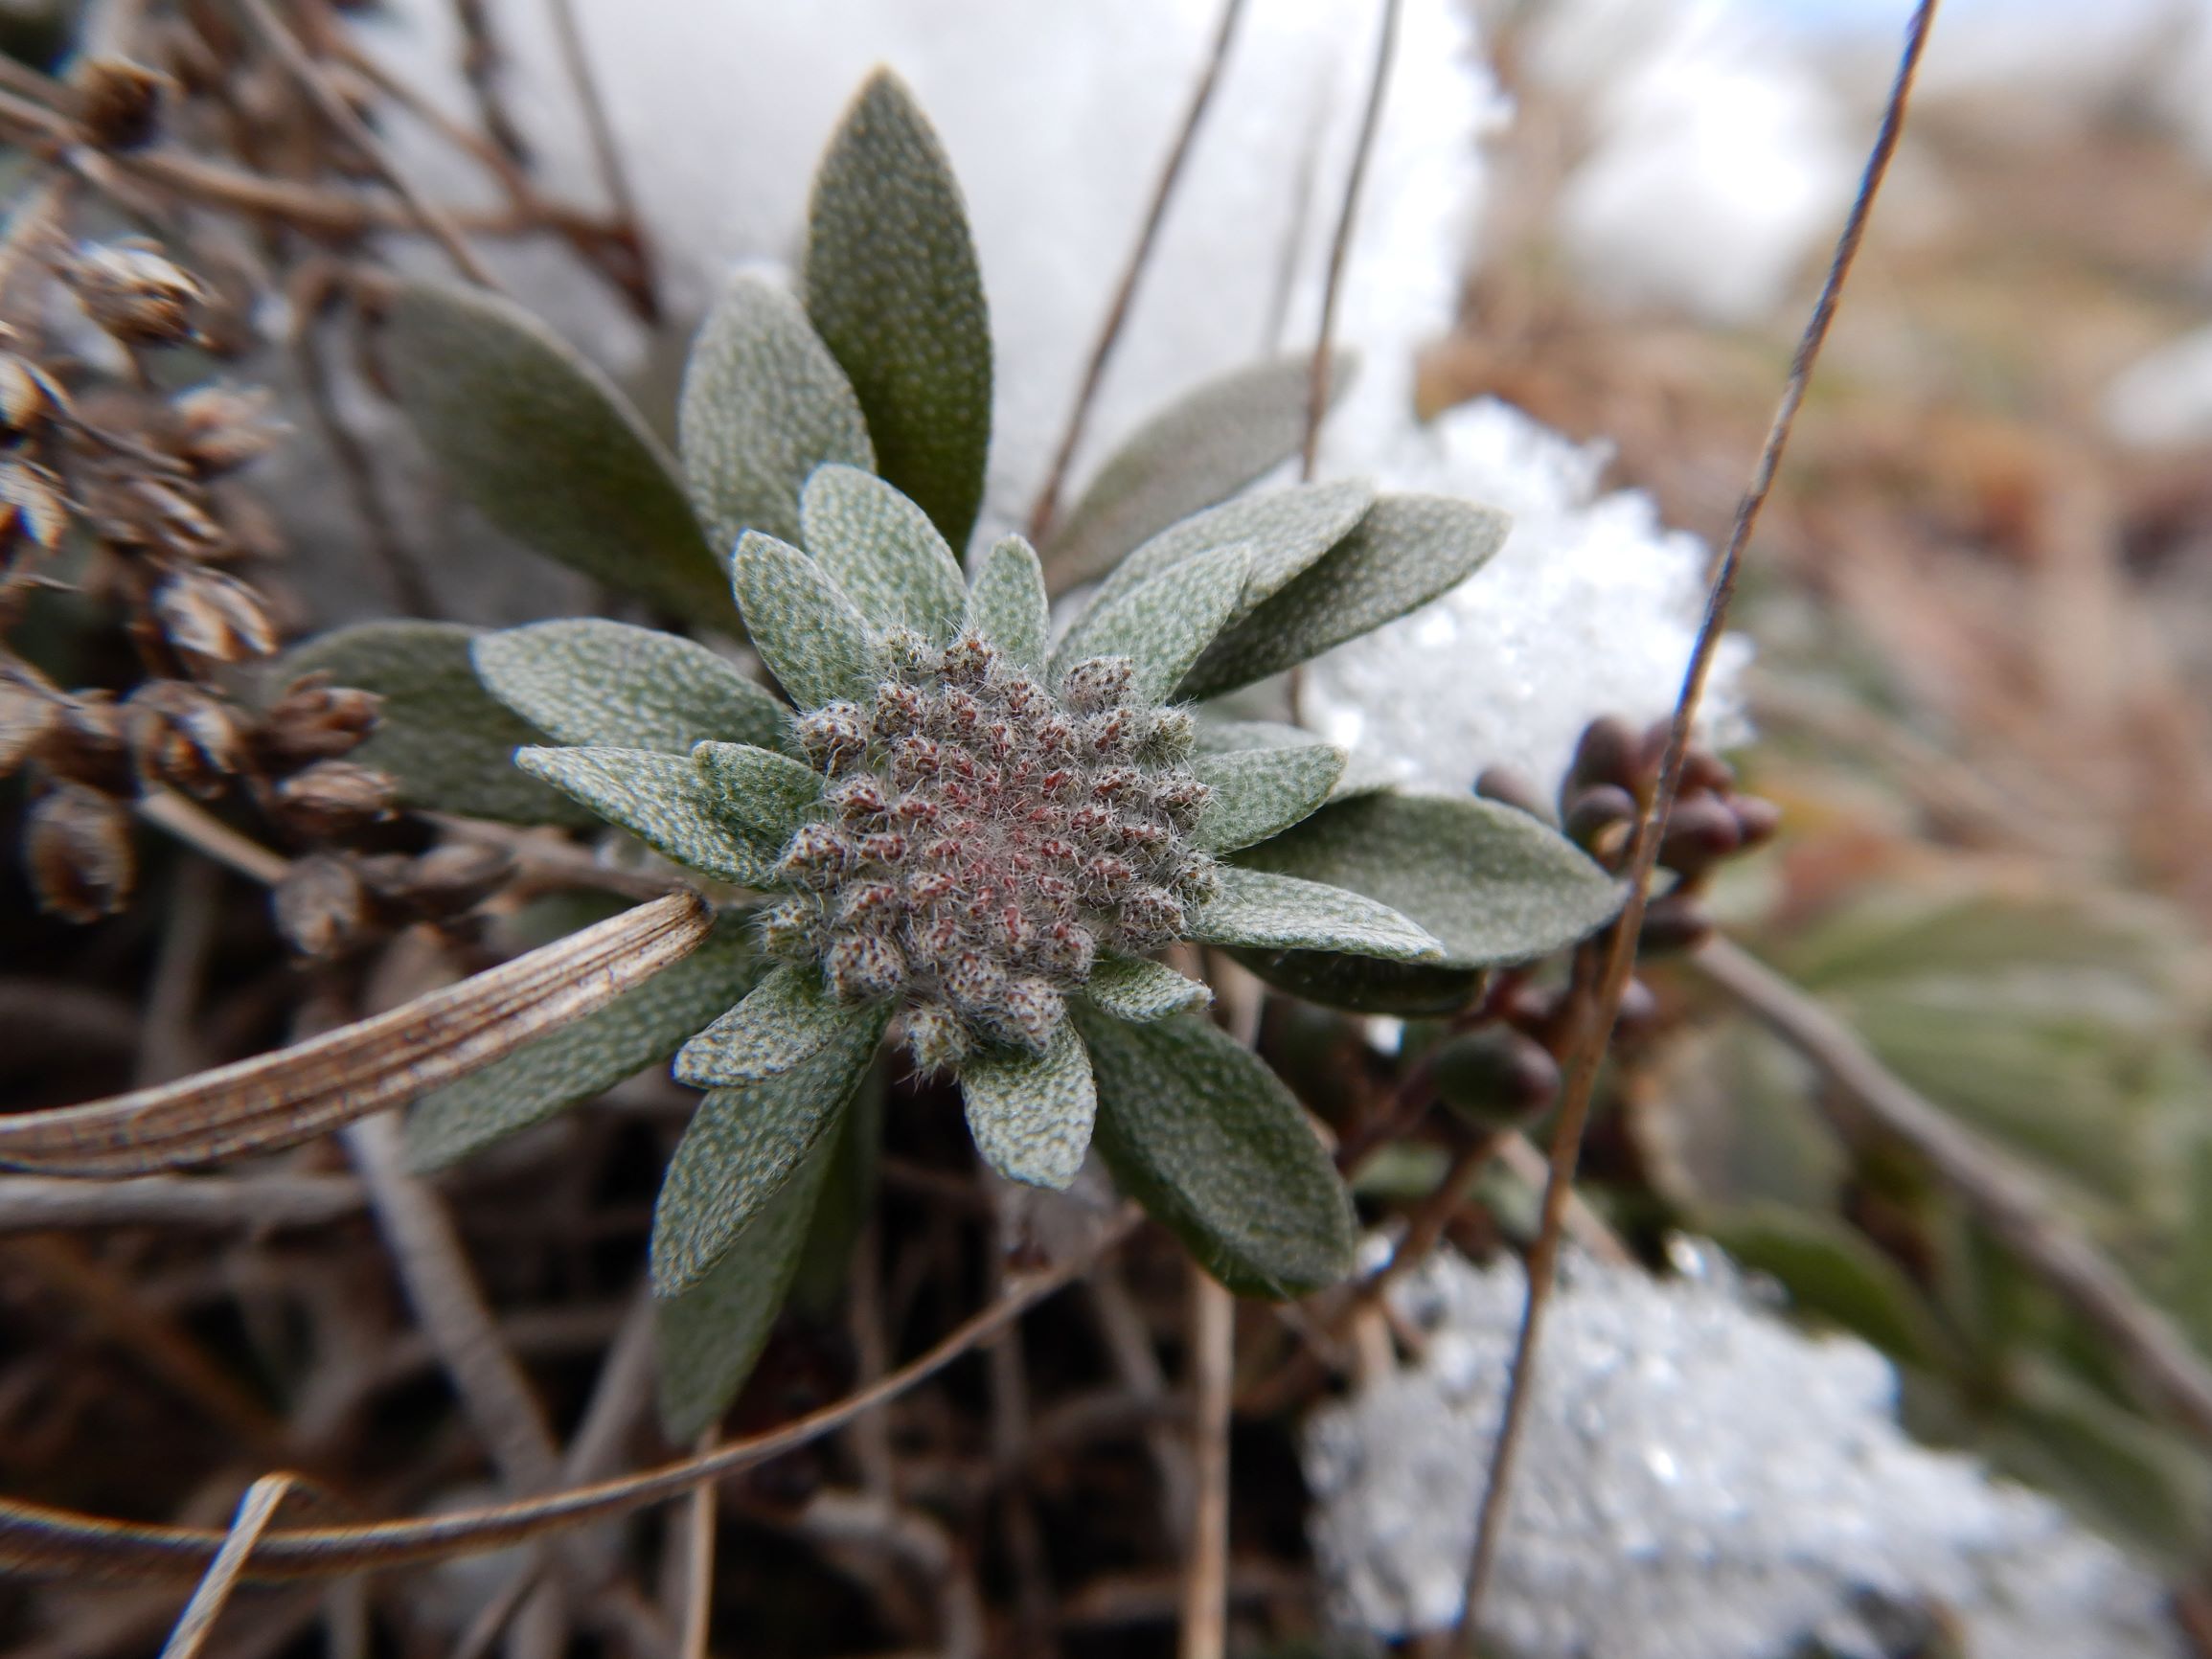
(1260, 910)
(1132, 988)
(1405, 552)
(710, 1336)
(743, 1143)
(1199, 450)
(764, 404)
(809, 633)
(1161, 626)
(658, 797)
(450, 746)
(1008, 604)
(542, 443)
(847, 1205)
(788, 1018)
(638, 1029)
(587, 681)
(1834, 1271)
(882, 549)
(1286, 530)
(1030, 1114)
(1208, 1140)
(763, 793)
(1262, 792)
(893, 285)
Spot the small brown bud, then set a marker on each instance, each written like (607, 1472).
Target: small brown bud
(212, 618)
(219, 427)
(1676, 921)
(1703, 769)
(1598, 817)
(1495, 1076)
(30, 496)
(121, 102)
(1701, 829)
(27, 714)
(1756, 818)
(1508, 789)
(22, 393)
(183, 737)
(1607, 754)
(440, 883)
(320, 907)
(76, 848)
(175, 518)
(314, 721)
(134, 292)
(335, 797)
(87, 744)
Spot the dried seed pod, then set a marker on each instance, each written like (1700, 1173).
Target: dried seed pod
(1494, 1077)
(183, 737)
(31, 497)
(1674, 921)
(134, 292)
(120, 102)
(174, 516)
(87, 744)
(437, 884)
(1597, 816)
(27, 714)
(1701, 829)
(333, 798)
(320, 906)
(1608, 753)
(1756, 818)
(77, 849)
(211, 618)
(314, 721)
(22, 394)
(218, 426)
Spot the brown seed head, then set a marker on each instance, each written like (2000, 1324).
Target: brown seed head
(314, 721)
(120, 102)
(76, 848)
(134, 292)
(333, 798)
(212, 618)
(183, 737)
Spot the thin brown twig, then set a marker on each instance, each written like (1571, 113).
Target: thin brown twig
(36, 1538)
(699, 1561)
(1341, 245)
(1642, 850)
(480, 65)
(348, 122)
(605, 153)
(204, 833)
(2004, 1198)
(256, 1510)
(1040, 517)
(1205, 1610)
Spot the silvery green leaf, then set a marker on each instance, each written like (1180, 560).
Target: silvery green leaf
(893, 285)
(542, 443)
(1199, 1130)
(763, 792)
(709, 1336)
(764, 404)
(1130, 987)
(882, 550)
(640, 1028)
(1406, 552)
(1164, 624)
(441, 735)
(788, 1018)
(1286, 530)
(1199, 450)
(1030, 1114)
(1494, 884)
(1008, 605)
(812, 637)
(1228, 737)
(1262, 792)
(585, 680)
(847, 1205)
(658, 797)
(743, 1143)
(1283, 913)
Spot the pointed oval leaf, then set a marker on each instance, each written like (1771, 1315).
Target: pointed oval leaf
(1030, 1114)
(1494, 884)
(1008, 606)
(882, 549)
(766, 794)
(709, 1336)
(743, 1144)
(812, 637)
(893, 284)
(786, 1019)
(1283, 913)
(1199, 450)
(764, 404)
(1199, 1130)
(1162, 625)
(1286, 530)
(441, 735)
(661, 799)
(1130, 987)
(639, 1029)
(1262, 792)
(1406, 552)
(585, 680)
(542, 445)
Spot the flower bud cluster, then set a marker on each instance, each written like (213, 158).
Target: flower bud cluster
(981, 840)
